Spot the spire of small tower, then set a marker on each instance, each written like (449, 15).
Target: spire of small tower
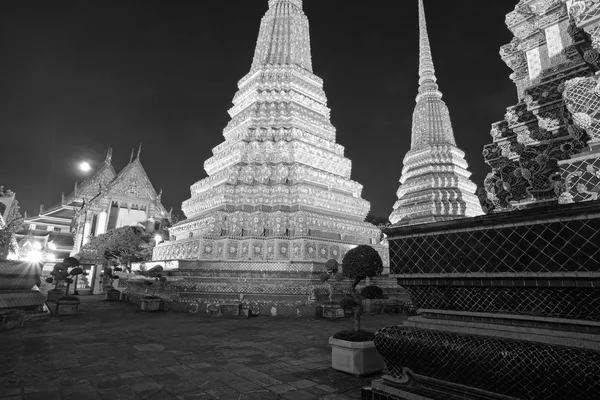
(108, 159)
(435, 184)
(427, 81)
(139, 152)
(284, 37)
(131, 157)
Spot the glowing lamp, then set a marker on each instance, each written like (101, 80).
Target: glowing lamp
(34, 256)
(37, 246)
(85, 166)
(158, 239)
(51, 246)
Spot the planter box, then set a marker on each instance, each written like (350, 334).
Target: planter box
(356, 358)
(66, 307)
(54, 295)
(333, 311)
(150, 304)
(112, 295)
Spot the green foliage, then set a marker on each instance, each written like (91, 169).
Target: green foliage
(8, 228)
(372, 292)
(332, 266)
(355, 336)
(61, 273)
(348, 303)
(362, 262)
(121, 246)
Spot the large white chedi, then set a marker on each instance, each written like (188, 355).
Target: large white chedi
(278, 187)
(435, 184)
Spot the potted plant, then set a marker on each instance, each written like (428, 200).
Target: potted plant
(65, 304)
(332, 309)
(109, 275)
(58, 275)
(353, 350)
(370, 295)
(151, 302)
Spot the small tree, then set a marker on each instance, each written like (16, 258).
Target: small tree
(61, 273)
(124, 246)
(332, 268)
(75, 271)
(360, 263)
(8, 228)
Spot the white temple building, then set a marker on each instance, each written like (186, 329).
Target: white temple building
(278, 187)
(435, 184)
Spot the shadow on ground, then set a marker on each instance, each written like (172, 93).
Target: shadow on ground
(114, 351)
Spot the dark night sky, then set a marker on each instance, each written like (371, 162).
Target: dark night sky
(78, 76)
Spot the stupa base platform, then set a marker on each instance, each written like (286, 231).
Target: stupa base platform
(275, 288)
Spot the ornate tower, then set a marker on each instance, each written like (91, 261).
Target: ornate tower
(278, 187)
(531, 155)
(435, 183)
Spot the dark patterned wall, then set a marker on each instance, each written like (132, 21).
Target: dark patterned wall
(528, 371)
(538, 269)
(547, 247)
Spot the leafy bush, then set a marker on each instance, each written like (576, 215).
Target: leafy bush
(372, 292)
(355, 336)
(332, 266)
(360, 263)
(348, 303)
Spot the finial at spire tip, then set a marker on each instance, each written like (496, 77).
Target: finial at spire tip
(297, 3)
(108, 158)
(139, 152)
(427, 81)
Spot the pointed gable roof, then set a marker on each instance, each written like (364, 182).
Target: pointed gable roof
(133, 182)
(102, 176)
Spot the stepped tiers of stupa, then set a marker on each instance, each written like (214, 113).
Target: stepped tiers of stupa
(278, 187)
(538, 150)
(435, 184)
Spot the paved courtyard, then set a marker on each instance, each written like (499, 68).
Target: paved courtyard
(114, 351)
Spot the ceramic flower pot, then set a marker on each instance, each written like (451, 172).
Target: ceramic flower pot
(150, 304)
(356, 358)
(112, 295)
(54, 294)
(333, 311)
(67, 306)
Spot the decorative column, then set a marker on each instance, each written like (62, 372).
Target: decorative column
(87, 229)
(101, 224)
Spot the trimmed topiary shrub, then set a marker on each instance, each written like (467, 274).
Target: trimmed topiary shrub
(372, 292)
(360, 263)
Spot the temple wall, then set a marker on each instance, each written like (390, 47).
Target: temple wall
(509, 305)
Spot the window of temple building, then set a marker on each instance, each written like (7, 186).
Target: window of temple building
(191, 235)
(40, 227)
(94, 223)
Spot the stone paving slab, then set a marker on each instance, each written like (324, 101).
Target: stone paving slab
(112, 350)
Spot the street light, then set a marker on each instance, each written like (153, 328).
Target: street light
(158, 239)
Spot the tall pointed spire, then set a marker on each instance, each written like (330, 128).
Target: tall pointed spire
(427, 81)
(435, 183)
(284, 37)
(108, 158)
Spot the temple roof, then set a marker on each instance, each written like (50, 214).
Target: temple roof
(103, 175)
(284, 37)
(431, 119)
